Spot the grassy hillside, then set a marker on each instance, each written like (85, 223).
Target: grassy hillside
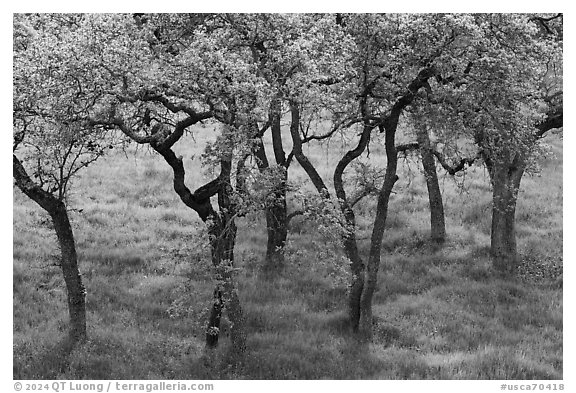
(441, 314)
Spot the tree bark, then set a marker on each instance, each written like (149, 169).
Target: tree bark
(437, 222)
(277, 230)
(56, 208)
(390, 178)
(505, 184)
(222, 241)
(299, 154)
(350, 243)
(222, 230)
(276, 210)
(72, 278)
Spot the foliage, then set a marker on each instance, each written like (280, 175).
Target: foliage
(52, 99)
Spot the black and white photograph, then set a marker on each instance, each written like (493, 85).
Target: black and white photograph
(287, 196)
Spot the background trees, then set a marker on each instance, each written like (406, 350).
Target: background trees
(506, 98)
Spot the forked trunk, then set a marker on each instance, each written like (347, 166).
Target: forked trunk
(390, 178)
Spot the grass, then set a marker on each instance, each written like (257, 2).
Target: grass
(439, 313)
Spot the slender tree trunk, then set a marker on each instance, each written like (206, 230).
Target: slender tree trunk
(390, 178)
(69, 264)
(505, 184)
(69, 259)
(277, 213)
(357, 281)
(299, 154)
(437, 222)
(350, 243)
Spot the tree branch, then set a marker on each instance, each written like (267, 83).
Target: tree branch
(554, 119)
(32, 190)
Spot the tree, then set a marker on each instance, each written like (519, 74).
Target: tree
(52, 143)
(393, 64)
(506, 99)
(150, 103)
(295, 56)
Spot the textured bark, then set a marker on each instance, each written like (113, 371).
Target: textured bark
(437, 222)
(350, 243)
(222, 241)
(69, 264)
(277, 231)
(276, 210)
(69, 259)
(222, 230)
(505, 184)
(275, 117)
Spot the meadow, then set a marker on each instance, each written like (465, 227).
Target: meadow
(441, 313)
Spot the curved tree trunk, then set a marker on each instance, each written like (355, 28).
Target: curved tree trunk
(222, 231)
(75, 291)
(350, 243)
(299, 154)
(437, 222)
(69, 263)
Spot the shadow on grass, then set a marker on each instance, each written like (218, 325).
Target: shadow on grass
(43, 363)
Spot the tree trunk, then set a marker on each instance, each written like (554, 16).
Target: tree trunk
(222, 231)
(437, 222)
(69, 260)
(304, 162)
(390, 178)
(276, 210)
(69, 264)
(276, 226)
(357, 282)
(350, 244)
(505, 184)
(222, 242)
